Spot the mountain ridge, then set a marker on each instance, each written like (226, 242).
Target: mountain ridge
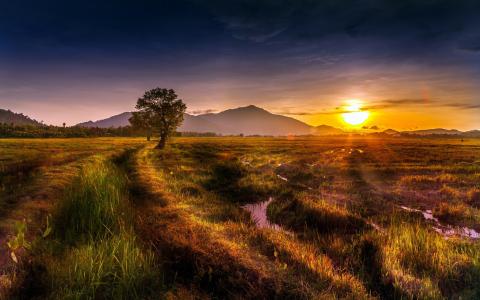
(9, 117)
(247, 120)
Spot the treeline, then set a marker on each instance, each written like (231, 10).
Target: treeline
(32, 131)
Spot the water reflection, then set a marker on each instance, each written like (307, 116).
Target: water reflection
(447, 230)
(258, 212)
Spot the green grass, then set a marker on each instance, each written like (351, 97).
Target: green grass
(109, 268)
(426, 265)
(94, 251)
(94, 205)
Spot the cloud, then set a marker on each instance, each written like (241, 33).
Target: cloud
(309, 21)
(470, 44)
(202, 111)
(306, 113)
(463, 105)
(383, 104)
(396, 103)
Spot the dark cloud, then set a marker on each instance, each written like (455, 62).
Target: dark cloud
(303, 21)
(470, 43)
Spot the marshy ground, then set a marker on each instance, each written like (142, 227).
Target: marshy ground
(236, 218)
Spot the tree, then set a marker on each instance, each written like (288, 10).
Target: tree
(142, 120)
(160, 110)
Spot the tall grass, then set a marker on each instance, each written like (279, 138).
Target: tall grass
(426, 265)
(93, 206)
(113, 268)
(101, 257)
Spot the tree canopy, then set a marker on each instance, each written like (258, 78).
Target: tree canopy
(161, 111)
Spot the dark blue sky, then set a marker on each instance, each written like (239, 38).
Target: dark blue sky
(78, 60)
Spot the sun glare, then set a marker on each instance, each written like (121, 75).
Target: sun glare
(354, 115)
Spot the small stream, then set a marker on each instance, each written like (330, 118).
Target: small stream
(445, 230)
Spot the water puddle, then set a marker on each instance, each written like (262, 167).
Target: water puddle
(353, 150)
(258, 211)
(376, 226)
(246, 163)
(427, 214)
(447, 230)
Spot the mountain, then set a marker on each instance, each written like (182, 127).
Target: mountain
(9, 117)
(190, 123)
(248, 120)
(435, 131)
(252, 120)
(193, 123)
(327, 130)
(472, 134)
(391, 132)
(114, 121)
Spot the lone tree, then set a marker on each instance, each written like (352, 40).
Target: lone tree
(159, 110)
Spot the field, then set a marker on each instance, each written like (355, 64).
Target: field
(243, 217)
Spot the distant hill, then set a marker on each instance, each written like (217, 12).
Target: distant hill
(114, 121)
(435, 131)
(391, 132)
(9, 117)
(472, 134)
(327, 130)
(248, 120)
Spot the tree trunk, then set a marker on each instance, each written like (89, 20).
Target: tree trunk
(149, 134)
(162, 142)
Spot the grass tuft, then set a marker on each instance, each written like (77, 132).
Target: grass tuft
(113, 268)
(93, 206)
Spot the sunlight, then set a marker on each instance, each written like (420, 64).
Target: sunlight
(355, 118)
(354, 115)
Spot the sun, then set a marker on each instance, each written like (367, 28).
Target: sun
(354, 115)
(355, 118)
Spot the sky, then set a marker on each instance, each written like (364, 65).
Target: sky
(412, 64)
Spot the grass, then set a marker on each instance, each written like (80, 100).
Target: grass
(93, 252)
(113, 268)
(93, 205)
(136, 222)
(299, 214)
(426, 265)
